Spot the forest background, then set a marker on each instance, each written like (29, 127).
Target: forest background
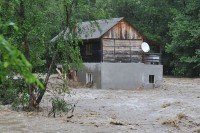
(27, 26)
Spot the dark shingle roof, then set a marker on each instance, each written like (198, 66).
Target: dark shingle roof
(92, 29)
(95, 29)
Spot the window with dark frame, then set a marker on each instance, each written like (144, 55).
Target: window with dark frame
(151, 78)
(88, 49)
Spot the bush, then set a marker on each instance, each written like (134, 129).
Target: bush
(10, 90)
(59, 105)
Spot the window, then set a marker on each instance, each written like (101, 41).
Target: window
(88, 49)
(89, 78)
(151, 78)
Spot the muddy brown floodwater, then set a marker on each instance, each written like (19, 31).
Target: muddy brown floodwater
(172, 108)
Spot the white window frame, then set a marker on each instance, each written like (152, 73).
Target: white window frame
(89, 78)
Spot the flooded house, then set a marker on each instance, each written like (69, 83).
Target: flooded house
(114, 58)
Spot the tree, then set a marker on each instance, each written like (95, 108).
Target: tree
(185, 37)
(12, 61)
(38, 22)
(148, 16)
(30, 36)
(66, 47)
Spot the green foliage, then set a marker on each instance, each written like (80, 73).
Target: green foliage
(38, 21)
(71, 13)
(185, 37)
(26, 26)
(166, 22)
(22, 101)
(59, 104)
(150, 17)
(31, 36)
(7, 92)
(12, 61)
(24, 41)
(10, 90)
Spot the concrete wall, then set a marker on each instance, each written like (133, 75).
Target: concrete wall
(95, 69)
(156, 70)
(122, 75)
(130, 75)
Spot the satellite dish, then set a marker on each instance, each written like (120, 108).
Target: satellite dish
(145, 47)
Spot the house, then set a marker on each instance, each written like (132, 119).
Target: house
(113, 57)
(115, 40)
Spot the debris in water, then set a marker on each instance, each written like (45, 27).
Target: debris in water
(116, 122)
(165, 105)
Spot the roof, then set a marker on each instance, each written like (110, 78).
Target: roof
(95, 29)
(92, 29)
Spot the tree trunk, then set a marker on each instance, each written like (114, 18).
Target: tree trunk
(22, 17)
(46, 79)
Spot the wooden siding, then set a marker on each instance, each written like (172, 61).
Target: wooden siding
(115, 50)
(121, 43)
(123, 30)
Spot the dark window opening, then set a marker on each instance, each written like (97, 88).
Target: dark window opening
(151, 78)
